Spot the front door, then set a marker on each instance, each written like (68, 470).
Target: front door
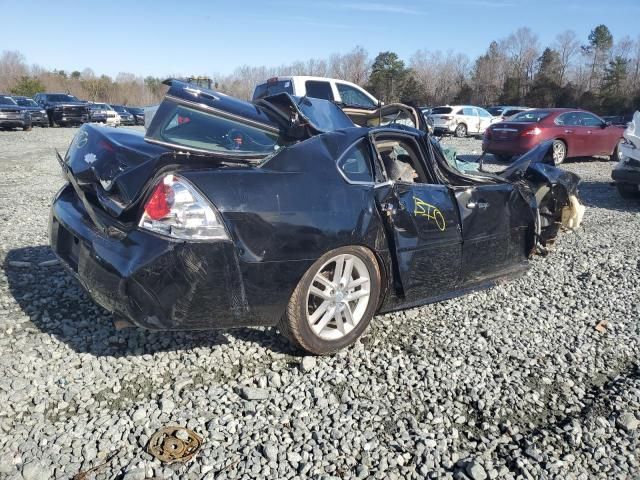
(423, 222)
(421, 219)
(495, 219)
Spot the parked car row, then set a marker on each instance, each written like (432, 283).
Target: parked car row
(62, 109)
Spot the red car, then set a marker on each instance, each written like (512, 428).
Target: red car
(575, 133)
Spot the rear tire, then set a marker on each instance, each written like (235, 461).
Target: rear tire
(461, 130)
(558, 153)
(331, 308)
(628, 190)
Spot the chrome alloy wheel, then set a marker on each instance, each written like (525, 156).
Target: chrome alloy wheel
(338, 297)
(559, 152)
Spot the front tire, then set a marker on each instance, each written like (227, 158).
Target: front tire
(334, 301)
(461, 130)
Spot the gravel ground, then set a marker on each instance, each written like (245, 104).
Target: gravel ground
(513, 382)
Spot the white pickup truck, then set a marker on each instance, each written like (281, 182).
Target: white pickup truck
(333, 89)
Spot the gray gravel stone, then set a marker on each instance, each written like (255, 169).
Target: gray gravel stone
(514, 379)
(475, 471)
(308, 363)
(251, 393)
(627, 421)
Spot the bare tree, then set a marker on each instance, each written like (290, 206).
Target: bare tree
(568, 47)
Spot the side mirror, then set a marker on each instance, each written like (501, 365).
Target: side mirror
(606, 124)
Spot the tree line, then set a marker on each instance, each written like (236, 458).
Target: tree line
(598, 73)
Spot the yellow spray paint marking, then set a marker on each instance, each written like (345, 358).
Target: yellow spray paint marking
(424, 209)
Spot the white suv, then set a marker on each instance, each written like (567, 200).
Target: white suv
(332, 89)
(461, 120)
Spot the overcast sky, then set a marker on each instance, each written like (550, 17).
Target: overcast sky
(204, 37)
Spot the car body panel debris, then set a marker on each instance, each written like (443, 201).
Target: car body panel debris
(218, 215)
(174, 444)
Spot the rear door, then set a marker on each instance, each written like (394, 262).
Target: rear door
(572, 132)
(422, 223)
(319, 89)
(471, 119)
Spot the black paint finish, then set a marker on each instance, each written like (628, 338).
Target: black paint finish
(433, 240)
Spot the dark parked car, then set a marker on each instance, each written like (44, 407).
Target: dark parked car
(282, 212)
(13, 115)
(138, 114)
(126, 118)
(575, 133)
(38, 114)
(619, 120)
(63, 109)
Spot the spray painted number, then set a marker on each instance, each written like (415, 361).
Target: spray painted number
(424, 209)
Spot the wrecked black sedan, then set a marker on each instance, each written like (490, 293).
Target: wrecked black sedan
(283, 212)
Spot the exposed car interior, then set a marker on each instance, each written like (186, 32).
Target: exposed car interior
(400, 159)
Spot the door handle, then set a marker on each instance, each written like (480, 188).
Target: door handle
(482, 205)
(568, 131)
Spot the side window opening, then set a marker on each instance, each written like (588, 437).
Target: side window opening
(401, 160)
(353, 96)
(355, 164)
(318, 89)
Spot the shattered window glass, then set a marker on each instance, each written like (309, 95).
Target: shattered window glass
(205, 131)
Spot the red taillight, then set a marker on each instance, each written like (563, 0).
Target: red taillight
(532, 131)
(159, 204)
(106, 145)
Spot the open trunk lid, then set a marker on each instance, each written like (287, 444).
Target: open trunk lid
(110, 167)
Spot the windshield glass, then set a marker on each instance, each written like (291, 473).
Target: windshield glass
(7, 100)
(98, 106)
(440, 110)
(136, 110)
(119, 108)
(495, 111)
(532, 116)
(61, 97)
(208, 132)
(26, 102)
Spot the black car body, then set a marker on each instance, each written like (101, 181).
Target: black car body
(126, 118)
(273, 187)
(13, 115)
(38, 114)
(138, 114)
(63, 109)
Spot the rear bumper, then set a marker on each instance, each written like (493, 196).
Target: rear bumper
(509, 147)
(162, 284)
(13, 123)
